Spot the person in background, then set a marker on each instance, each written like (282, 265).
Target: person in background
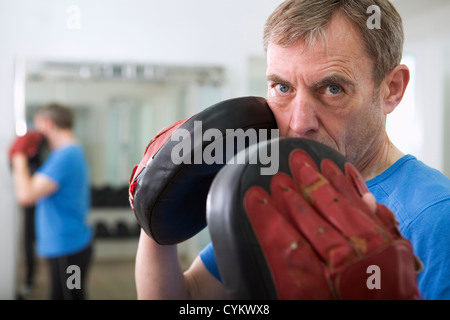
(60, 191)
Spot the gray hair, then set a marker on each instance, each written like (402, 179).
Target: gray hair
(306, 20)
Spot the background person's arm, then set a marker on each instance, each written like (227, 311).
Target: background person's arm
(29, 188)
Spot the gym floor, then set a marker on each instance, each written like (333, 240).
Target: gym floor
(110, 278)
(107, 280)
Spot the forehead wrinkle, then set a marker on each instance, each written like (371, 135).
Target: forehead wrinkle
(341, 41)
(313, 65)
(337, 68)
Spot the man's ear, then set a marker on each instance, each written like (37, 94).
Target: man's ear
(395, 84)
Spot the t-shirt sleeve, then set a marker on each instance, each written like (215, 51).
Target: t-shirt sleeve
(209, 260)
(55, 167)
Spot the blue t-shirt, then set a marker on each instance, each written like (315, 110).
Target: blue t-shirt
(420, 198)
(61, 218)
(209, 260)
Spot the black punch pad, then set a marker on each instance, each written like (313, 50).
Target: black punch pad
(170, 198)
(240, 259)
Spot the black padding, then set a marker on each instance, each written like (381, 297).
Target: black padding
(241, 262)
(38, 159)
(170, 199)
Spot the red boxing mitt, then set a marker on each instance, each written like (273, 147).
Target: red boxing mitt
(28, 144)
(308, 233)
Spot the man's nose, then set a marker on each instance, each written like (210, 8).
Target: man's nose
(303, 116)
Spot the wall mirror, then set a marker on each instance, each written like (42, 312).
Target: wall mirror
(118, 108)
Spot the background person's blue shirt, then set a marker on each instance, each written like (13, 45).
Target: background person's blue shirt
(61, 218)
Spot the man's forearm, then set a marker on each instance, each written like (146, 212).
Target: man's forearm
(22, 179)
(158, 271)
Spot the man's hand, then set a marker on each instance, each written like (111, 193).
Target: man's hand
(28, 145)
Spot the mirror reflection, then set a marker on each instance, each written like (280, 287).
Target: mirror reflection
(118, 108)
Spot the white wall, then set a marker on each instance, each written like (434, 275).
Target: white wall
(427, 40)
(172, 31)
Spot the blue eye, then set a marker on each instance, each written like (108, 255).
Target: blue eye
(282, 88)
(333, 89)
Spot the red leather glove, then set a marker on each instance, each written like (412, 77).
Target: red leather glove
(28, 144)
(322, 241)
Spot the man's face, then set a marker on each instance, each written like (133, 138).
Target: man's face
(327, 93)
(42, 124)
